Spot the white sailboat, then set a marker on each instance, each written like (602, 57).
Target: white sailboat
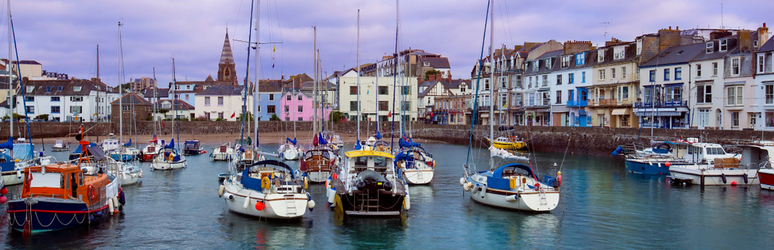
(511, 186)
(168, 157)
(267, 188)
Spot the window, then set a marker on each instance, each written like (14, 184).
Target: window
(559, 79)
(220, 115)
(271, 109)
(77, 88)
(383, 90)
(652, 75)
(710, 47)
(486, 84)
(30, 110)
(300, 97)
(666, 74)
(353, 90)
(55, 109)
(623, 93)
(545, 80)
(623, 72)
(48, 89)
(565, 61)
(406, 106)
(30, 89)
(77, 109)
(583, 77)
(353, 106)
(220, 101)
(59, 88)
(715, 69)
(704, 94)
(570, 95)
(674, 94)
(186, 97)
(535, 65)
(548, 63)
(618, 52)
(678, 73)
(558, 97)
(769, 94)
(760, 63)
(300, 109)
(383, 105)
(187, 86)
(735, 119)
(289, 97)
(76, 98)
(601, 55)
(504, 82)
(570, 78)
(735, 66)
(462, 88)
(580, 59)
(406, 90)
(601, 74)
(287, 109)
(723, 44)
(734, 96)
(612, 73)
(698, 70)
(54, 98)
(753, 119)
(206, 101)
(29, 98)
(271, 97)
(259, 109)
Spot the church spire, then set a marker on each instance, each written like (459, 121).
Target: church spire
(226, 66)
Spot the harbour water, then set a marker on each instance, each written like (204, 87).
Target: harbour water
(602, 206)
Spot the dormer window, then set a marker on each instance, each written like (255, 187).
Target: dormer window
(77, 88)
(535, 66)
(580, 59)
(548, 63)
(723, 44)
(59, 88)
(30, 89)
(48, 89)
(427, 64)
(710, 47)
(601, 55)
(619, 52)
(565, 61)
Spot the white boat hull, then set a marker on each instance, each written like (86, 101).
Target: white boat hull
(289, 153)
(11, 178)
(419, 176)
(169, 165)
(715, 176)
(221, 157)
(527, 201)
(319, 176)
(277, 206)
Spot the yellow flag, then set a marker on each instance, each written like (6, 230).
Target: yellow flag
(274, 49)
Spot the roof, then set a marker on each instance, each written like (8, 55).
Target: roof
(549, 54)
(269, 85)
(437, 62)
(69, 87)
(222, 90)
(675, 55)
(131, 98)
(768, 46)
(179, 104)
(226, 57)
(716, 53)
(455, 84)
(160, 93)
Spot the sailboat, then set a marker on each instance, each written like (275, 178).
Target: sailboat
(168, 157)
(267, 188)
(368, 184)
(511, 186)
(289, 150)
(152, 149)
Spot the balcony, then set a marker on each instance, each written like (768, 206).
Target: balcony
(611, 103)
(577, 103)
(661, 104)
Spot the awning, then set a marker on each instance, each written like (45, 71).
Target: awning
(669, 113)
(484, 115)
(620, 111)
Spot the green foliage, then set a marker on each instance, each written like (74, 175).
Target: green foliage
(249, 117)
(274, 117)
(431, 72)
(149, 118)
(42, 117)
(201, 118)
(162, 111)
(336, 116)
(219, 119)
(17, 116)
(125, 87)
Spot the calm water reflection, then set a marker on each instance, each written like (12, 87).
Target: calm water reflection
(602, 207)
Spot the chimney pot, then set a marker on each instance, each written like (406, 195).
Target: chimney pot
(670, 27)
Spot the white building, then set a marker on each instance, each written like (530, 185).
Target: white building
(223, 101)
(372, 95)
(66, 100)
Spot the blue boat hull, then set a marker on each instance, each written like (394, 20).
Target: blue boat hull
(122, 157)
(51, 215)
(644, 167)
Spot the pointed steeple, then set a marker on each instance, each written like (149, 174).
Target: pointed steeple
(226, 66)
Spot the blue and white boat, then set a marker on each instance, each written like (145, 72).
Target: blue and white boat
(415, 163)
(657, 159)
(169, 158)
(13, 166)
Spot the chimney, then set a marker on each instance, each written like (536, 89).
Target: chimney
(763, 35)
(745, 43)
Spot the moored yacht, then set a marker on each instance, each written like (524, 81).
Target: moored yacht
(266, 189)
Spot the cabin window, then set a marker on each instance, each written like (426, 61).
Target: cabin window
(80, 179)
(52, 180)
(380, 163)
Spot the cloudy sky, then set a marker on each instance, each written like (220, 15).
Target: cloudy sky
(63, 34)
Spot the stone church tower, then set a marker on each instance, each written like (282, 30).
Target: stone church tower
(226, 66)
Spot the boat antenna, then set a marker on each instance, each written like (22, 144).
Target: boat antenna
(478, 80)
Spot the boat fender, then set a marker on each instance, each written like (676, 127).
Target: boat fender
(306, 182)
(462, 181)
(116, 204)
(511, 198)
(247, 202)
(221, 190)
(265, 182)
(483, 192)
(230, 197)
(407, 202)
(18, 172)
(92, 195)
(468, 186)
(310, 205)
(476, 189)
(744, 178)
(259, 206)
(111, 206)
(723, 177)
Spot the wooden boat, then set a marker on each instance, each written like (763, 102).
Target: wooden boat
(508, 143)
(61, 195)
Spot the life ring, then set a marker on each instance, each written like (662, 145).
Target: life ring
(91, 193)
(389, 149)
(265, 183)
(170, 158)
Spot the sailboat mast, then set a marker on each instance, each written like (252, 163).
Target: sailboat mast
(155, 89)
(314, 91)
(491, 81)
(9, 66)
(174, 101)
(358, 75)
(257, 79)
(120, 82)
(99, 106)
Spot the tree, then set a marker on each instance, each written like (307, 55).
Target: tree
(431, 72)
(274, 117)
(336, 116)
(125, 87)
(249, 117)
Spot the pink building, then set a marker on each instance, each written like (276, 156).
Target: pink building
(298, 107)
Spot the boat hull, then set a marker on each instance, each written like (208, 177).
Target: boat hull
(147, 157)
(119, 157)
(60, 149)
(192, 152)
(276, 206)
(716, 176)
(359, 203)
(50, 214)
(169, 165)
(221, 157)
(642, 166)
(766, 177)
(525, 201)
(419, 176)
(290, 155)
(509, 145)
(318, 176)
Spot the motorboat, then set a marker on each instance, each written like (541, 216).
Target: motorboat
(266, 189)
(60, 146)
(222, 153)
(709, 164)
(192, 147)
(368, 184)
(168, 158)
(60, 195)
(289, 151)
(510, 143)
(333, 139)
(760, 154)
(415, 164)
(513, 186)
(149, 151)
(110, 143)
